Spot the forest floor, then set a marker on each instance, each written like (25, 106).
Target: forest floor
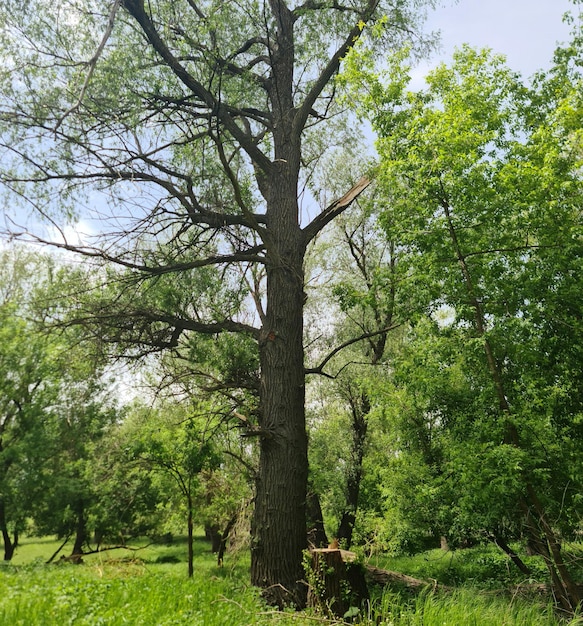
(149, 586)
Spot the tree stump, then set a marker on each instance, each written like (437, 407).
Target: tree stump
(328, 572)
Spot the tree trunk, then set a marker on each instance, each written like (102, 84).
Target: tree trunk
(544, 542)
(279, 521)
(224, 537)
(317, 537)
(9, 544)
(360, 408)
(80, 534)
(520, 564)
(190, 538)
(213, 534)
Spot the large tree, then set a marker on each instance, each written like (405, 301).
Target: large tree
(483, 176)
(190, 127)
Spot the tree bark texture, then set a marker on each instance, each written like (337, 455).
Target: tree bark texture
(279, 523)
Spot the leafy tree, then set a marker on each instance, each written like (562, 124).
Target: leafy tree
(75, 430)
(29, 361)
(482, 174)
(171, 442)
(188, 126)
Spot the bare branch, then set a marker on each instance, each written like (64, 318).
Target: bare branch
(248, 256)
(136, 9)
(319, 369)
(335, 209)
(312, 5)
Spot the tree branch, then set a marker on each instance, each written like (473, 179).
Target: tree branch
(136, 10)
(92, 63)
(332, 66)
(249, 256)
(320, 368)
(334, 209)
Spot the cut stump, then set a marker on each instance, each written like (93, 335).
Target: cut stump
(328, 572)
(336, 583)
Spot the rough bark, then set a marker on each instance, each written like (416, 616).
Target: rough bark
(279, 522)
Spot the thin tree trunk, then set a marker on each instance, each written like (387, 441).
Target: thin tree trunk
(80, 534)
(56, 552)
(224, 538)
(545, 543)
(360, 408)
(520, 564)
(9, 543)
(190, 538)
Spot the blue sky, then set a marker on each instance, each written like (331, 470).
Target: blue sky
(526, 31)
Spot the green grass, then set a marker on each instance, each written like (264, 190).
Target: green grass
(149, 587)
(463, 607)
(483, 566)
(130, 587)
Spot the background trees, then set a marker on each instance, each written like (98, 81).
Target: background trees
(483, 182)
(54, 408)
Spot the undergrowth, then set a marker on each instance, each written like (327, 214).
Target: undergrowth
(149, 587)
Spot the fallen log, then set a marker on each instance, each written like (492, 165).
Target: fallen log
(383, 577)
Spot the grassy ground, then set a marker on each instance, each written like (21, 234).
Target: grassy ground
(486, 567)
(149, 587)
